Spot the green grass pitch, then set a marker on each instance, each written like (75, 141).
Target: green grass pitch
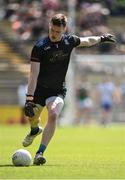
(74, 153)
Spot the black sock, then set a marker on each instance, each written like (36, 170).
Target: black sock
(34, 130)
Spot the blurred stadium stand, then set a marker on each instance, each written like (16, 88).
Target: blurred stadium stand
(13, 66)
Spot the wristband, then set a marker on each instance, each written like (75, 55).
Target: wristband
(29, 97)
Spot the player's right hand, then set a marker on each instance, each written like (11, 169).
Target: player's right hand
(28, 109)
(29, 105)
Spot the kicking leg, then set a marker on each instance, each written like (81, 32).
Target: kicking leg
(35, 128)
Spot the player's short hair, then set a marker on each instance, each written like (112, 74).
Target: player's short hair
(59, 20)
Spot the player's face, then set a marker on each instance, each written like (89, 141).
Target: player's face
(56, 32)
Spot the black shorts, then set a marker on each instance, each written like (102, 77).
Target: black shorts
(42, 93)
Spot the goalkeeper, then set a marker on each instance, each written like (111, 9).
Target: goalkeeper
(50, 58)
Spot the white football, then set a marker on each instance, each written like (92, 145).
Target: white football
(21, 157)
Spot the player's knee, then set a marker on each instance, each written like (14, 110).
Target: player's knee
(53, 114)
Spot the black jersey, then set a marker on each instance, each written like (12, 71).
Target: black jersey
(54, 59)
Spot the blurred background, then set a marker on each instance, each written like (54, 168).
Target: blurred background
(95, 80)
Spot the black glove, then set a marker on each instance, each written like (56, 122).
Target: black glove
(108, 38)
(29, 105)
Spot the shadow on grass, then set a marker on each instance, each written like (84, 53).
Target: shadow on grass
(10, 165)
(6, 165)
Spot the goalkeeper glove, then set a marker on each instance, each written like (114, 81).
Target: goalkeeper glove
(108, 38)
(29, 105)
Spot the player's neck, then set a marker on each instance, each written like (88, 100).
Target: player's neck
(55, 41)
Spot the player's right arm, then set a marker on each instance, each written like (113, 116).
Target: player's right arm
(34, 72)
(32, 83)
(34, 69)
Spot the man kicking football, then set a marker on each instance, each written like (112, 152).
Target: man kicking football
(46, 87)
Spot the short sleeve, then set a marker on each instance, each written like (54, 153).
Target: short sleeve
(35, 54)
(76, 40)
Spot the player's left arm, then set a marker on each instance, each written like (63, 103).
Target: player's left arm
(92, 40)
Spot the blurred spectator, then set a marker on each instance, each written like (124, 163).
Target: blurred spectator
(50, 4)
(105, 99)
(122, 88)
(92, 15)
(84, 105)
(117, 7)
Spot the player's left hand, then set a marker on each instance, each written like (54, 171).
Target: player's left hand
(108, 38)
